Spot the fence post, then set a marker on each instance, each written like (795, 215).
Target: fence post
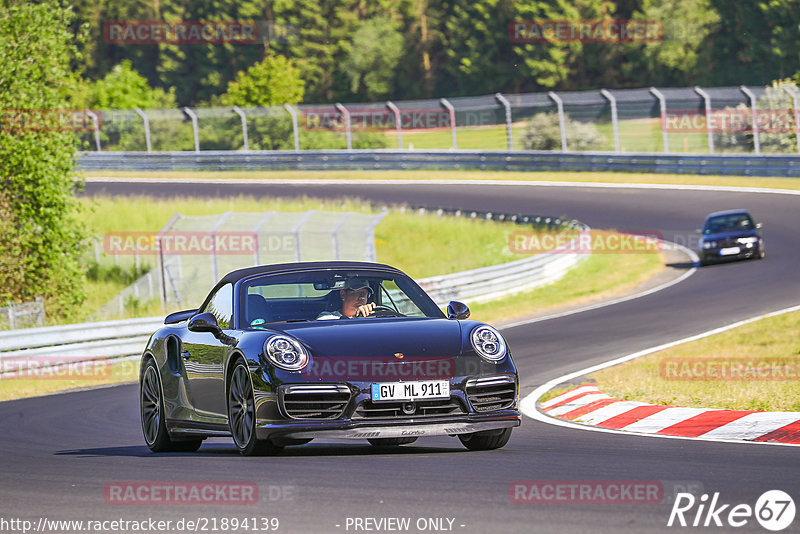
(297, 229)
(561, 122)
(41, 316)
(238, 111)
(509, 136)
(754, 110)
(793, 94)
(347, 133)
(146, 121)
(161, 265)
(95, 126)
(257, 255)
(193, 116)
(614, 122)
(335, 236)
(370, 254)
(662, 102)
(707, 100)
(162, 270)
(293, 114)
(214, 229)
(451, 110)
(397, 121)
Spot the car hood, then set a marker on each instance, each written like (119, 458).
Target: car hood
(729, 235)
(376, 337)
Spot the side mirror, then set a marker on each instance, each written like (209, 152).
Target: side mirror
(204, 322)
(457, 310)
(759, 225)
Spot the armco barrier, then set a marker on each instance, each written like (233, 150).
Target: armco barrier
(127, 338)
(519, 160)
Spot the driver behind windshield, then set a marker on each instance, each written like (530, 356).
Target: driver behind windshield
(354, 297)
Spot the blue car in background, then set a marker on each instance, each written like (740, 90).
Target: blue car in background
(730, 235)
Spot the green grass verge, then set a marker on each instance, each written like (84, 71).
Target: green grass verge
(600, 276)
(763, 358)
(467, 175)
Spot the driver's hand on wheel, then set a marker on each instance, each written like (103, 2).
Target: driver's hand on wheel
(365, 309)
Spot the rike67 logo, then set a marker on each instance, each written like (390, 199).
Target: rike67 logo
(774, 510)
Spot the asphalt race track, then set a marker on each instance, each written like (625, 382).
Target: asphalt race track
(59, 453)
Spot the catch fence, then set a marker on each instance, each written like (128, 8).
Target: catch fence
(736, 119)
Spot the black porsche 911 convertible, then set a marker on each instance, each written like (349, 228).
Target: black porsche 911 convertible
(279, 355)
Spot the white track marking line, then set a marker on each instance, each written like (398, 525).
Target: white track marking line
(569, 394)
(607, 412)
(753, 425)
(664, 418)
(577, 403)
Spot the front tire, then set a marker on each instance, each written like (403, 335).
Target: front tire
(486, 440)
(151, 404)
(241, 415)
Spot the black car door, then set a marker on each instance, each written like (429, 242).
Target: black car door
(204, 360)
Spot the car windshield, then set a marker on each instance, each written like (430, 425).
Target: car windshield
(311, 296)
(728, 223)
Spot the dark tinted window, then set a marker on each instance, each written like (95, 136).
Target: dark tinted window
(728, 223)
(305, 296)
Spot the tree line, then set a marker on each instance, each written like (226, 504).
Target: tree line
(365, 50)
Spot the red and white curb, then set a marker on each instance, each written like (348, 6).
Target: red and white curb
(587, 405)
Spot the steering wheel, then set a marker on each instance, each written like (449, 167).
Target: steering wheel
(384, 311)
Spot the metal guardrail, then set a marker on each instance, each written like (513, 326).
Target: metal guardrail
(519, 160)
(49, 336)
(126, 338)
(56, 347)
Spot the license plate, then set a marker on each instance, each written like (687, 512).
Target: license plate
(420, 390)
(730, 251)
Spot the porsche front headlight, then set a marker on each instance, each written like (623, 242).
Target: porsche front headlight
(488, 343)
(286, 353)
